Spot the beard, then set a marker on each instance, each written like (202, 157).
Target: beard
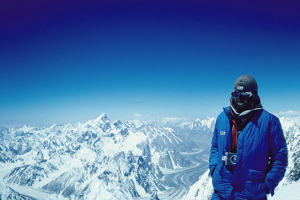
(241, 104)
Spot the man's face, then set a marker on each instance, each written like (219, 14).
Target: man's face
(241, 102)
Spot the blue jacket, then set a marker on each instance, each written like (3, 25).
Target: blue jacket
(261, 158)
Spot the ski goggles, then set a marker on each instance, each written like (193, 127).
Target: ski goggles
(245, 95)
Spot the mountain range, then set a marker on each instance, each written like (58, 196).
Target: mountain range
(100, 159)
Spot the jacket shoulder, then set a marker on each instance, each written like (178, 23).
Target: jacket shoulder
(270, 117)
(221, 116)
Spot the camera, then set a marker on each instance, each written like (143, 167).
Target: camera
(230, 159)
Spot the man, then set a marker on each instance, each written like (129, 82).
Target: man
(248, 155)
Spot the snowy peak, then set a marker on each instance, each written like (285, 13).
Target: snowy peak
(100, 122)
(102, 118)
(199, 124)
(288, 114)
(26, 129)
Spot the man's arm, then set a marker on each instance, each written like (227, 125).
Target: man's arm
(279, 156)
(214, 155)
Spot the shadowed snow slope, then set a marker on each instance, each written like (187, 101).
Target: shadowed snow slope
(6, 193)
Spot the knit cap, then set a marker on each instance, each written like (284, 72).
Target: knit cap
(245, 83)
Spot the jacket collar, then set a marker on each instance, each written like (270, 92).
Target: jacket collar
(258, 107)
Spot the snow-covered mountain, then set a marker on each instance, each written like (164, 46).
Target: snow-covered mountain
(202, 189)
(287, 188)
(200, 131)
(98, 159)
(101, 159)
(6, 193)
(291, 128)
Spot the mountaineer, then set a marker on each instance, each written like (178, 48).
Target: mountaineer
(248, 155)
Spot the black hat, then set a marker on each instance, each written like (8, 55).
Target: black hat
(245, 83)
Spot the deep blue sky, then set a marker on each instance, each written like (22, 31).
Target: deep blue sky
(69, 61)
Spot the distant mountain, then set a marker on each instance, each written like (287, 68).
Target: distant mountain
(200, 131)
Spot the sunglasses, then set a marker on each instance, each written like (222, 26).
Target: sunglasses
(245, 95)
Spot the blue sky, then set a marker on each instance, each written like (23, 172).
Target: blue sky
(64, 61)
